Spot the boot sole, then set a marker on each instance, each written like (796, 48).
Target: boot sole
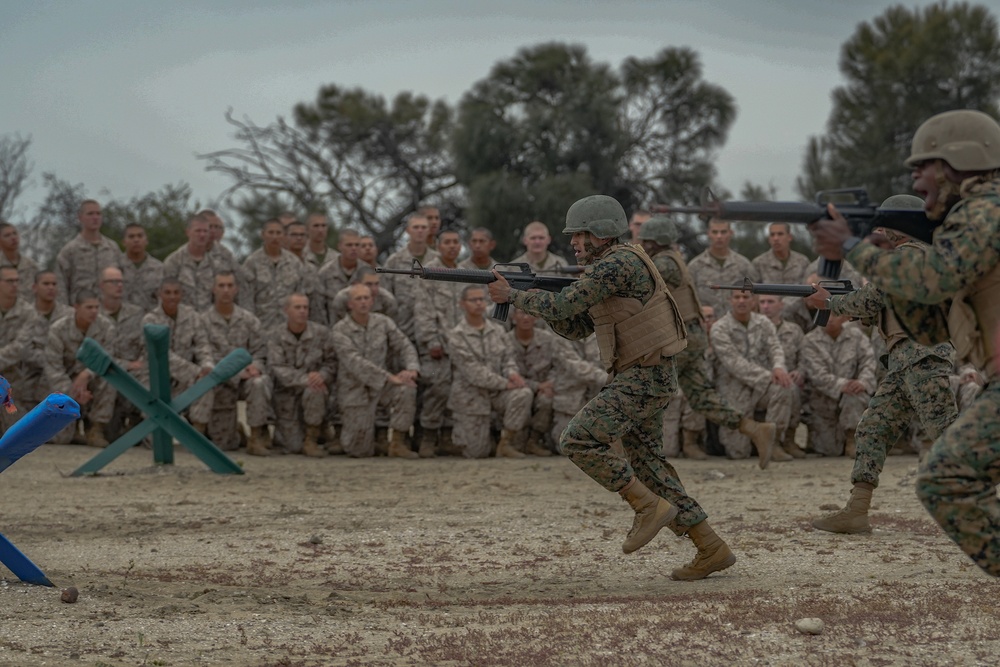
(676, 575)
(858, 531)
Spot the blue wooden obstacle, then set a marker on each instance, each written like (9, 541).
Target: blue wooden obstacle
(38, 426)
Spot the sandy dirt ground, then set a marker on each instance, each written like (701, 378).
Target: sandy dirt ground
(454, 562)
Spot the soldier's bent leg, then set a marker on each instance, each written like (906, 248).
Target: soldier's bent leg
(958, 479)
(357, 430)
(257, 392)
(471, 434)
(402, 404)
(881, 425)
(515, 407)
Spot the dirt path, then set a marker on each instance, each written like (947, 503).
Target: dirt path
(453, 562)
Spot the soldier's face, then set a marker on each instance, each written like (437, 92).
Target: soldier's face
(537, 241)
(481, 245)
(9, 282)
(635, 224)
(297, 310)
(349, 247)
(224, 290)
(449, 246)
(742, 303)
(170, 297)
(135, 241)
(46, 287)
(198, 235)
(417, 228)
(433, 217)
(523, 321)
(649, 245)
(367, 250)
(10, 240)
(371, 282)
(474, 303)
(317, 229)
(779, 239)
(585, 246)
(216, 230)
(360, 301)
(90, 217)
(719, 235)
(925, 183)
(273, 234)
(86, 312)
(770, 306)
(112, 284)
(297, 238)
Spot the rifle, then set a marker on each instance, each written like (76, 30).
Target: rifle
(832, 286)
(862, 216)
(522, 278)
(571, 270)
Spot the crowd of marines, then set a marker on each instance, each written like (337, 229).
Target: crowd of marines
(347, 360)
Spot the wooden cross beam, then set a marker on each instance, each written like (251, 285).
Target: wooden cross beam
(163, 418)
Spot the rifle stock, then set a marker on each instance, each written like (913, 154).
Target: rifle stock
(777, 289)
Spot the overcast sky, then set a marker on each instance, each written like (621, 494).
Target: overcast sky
(121, 94)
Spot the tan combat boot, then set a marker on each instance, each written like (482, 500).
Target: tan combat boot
(713, 554)
(850, 449)
(534, 447)
(257, 443)
(779, 454)
(790, 447)
(95, 436)
(651, 514)
(201, 427)
(506, 448)
(381, 441)
(310, 446)
(854, 517)
(398, 447)
(689, 446)
(762, 436)
(428, 443)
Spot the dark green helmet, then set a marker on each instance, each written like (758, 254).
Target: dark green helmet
(901, 202)
(659, 229)
(600, 215)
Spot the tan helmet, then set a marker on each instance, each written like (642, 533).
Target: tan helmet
(967, 140)
(659, 229)
(600, 215)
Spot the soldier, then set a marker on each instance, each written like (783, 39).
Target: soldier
(536, 240)
(917, 382)
(297, 237)
(194, 265)
(790, 334)
(368, 251)
(142, 272)
(579, 375)
(190, 353)
(318, 252)
(336, 275)
(32, 390)
(719, 265)
(66, 374)
(80, 261)
(840, 369)
(10, 245)
(635, 223)
(751, 370)
(796, 311)
(230, 327)
(622, 297)
(383, 302)
(301, 358)
(481, 247)
(216, 230)
(272, 273)
(16, 317)
(403, 287)
(128, 342)
(536, 352)
(657, 236)
(433, 216)
(485, 379)
(436, 313)
(780, 264)
(365, 342)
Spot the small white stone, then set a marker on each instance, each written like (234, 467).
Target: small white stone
(809, 626)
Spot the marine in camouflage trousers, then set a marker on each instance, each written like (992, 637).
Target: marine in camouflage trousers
(699, 391)
(958, 480)
(831, 418)
(293, 407)
(924, 389)
(472, 431)
(357, 430)
(624, 409)
(256, 392)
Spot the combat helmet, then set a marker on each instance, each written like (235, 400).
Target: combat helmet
(967, 140)
(659, 229)
(600, 215)
(902, 202)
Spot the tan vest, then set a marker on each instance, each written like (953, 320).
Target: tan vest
(630, 332)
(684, 294)
(890, 328)
(973, 317)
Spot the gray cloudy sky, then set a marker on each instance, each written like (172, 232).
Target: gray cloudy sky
(121, 94)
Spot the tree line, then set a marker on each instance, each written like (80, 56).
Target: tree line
(542, 129)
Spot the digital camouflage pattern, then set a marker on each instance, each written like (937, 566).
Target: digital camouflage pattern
(190, 352)
(829, 364)
(917, 383)
(241, 329)
(957, 480)
(26, 268)
(770, 269)
(142, 282)
(630, 406)
(269, 280)
(32, 388)
(537, 363)
(197, 276)
(579, 375)
(384, 303)
(404, 287)
(436, 312)
(707, 270)
(290, 359)
(79, 265)
(332, 277)
(549, 262)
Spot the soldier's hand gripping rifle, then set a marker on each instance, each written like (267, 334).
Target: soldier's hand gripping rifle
(776, 289)
(519, 276)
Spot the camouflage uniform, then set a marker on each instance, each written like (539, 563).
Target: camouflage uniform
(706, 270)
(550, 262)
(290, 359)
(384, 304)
(404, 287)
(363, 354)
(79, 265)
(917, 383)
(770, 269)
(189, 353)
(630, 406)
(61, 366)
(32, 389)
(128, 346)
(316, 293)
(142, 282)
(958, 479)
(333, 278)
(537, 363)
(268, 282)
(240, 330)
(467, 263)
(331, 255)
(197, 276)
(830, 363)
(437, 312)
(27, 268)
(795, 308)
(482, 363)
(17, 329)
(790, 334)
(579, 375)
(746, 356)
